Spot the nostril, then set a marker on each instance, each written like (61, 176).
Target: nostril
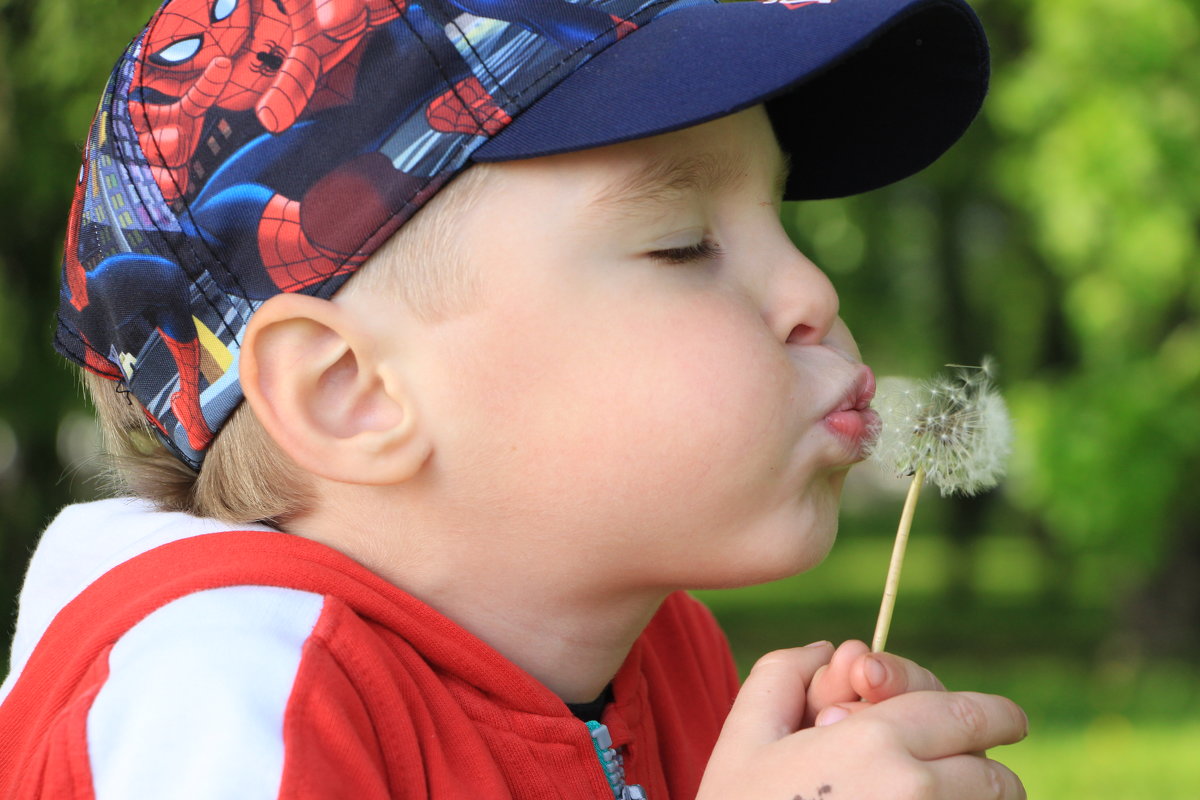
(801, 334)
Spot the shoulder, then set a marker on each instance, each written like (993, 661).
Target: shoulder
(82, 544)
(197, 692)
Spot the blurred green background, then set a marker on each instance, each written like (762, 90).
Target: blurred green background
(1062, 236)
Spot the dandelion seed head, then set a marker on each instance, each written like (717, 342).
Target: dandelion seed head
(956, 428)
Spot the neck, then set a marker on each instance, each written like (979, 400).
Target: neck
(572, 648)
(537, 606)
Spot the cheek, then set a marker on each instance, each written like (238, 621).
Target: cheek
(677, 413)
(664, 435)
(666, 412)
(716, 394)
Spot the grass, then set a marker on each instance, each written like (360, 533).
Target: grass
(1105, 722)
(1110, 758)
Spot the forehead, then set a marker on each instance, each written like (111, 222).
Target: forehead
(730, 152)
(637, 179)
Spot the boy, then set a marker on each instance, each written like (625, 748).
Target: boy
(591, 372)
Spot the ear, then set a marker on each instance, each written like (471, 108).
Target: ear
(328, 394)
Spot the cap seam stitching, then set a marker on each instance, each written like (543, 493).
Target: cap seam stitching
(187, 245)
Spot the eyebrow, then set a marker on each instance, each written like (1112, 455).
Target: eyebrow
(664, 178)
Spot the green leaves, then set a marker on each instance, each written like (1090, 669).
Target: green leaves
(1061, 234)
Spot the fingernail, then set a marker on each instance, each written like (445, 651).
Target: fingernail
(831, 715)
(822, 643)
(876, 672)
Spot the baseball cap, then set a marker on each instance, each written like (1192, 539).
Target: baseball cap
(244, 148)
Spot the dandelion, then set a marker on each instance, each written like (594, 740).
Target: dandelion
(953, 431)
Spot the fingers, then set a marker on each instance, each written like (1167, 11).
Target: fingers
(854, 672)
(926, 743)
(946, 734)
(967, 776)
(878, 676)
(933, 725)
(771, 702)
(833, 683)
(837, 713)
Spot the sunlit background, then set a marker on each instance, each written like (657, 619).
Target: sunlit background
(1060, 236)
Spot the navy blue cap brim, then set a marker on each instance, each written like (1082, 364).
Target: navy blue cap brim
(862, 93)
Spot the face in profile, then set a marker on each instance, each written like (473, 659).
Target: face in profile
(655, 382)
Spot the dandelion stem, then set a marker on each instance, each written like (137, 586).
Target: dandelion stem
(884, 623)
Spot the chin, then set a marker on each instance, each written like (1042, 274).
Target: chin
(769, 556)
(807, 552)
(803, 543)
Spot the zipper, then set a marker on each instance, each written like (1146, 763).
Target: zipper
(613, 764)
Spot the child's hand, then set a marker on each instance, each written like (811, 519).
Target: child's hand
(916, 746)
(855, 672)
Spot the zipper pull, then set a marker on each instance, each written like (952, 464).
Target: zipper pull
(613, 764)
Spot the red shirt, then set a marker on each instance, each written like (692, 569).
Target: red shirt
(257, 664)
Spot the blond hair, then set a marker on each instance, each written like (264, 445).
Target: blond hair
(245, 476)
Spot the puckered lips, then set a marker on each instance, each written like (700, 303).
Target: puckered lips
(852, 419)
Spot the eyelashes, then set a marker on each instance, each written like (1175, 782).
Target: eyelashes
(700, 251)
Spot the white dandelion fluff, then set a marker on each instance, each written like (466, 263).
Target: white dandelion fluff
(955, 431)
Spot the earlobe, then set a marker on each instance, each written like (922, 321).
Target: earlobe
(328, 395)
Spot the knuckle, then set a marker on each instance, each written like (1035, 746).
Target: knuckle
(875, 735)
(1003, 782)
(997, 785)
(917, 782)
(788, 658)
(771, 660)
(970, 717)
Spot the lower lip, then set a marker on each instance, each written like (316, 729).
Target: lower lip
(857, 427)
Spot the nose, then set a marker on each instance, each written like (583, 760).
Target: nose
(802, 305)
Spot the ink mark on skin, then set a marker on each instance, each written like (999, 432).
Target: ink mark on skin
(823, 792)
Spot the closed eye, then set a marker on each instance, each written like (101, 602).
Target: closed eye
(700, 251)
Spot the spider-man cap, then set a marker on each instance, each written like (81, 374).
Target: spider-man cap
(244, 148)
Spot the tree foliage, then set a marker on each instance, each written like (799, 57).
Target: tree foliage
(1060, 235)
(55, 56)
(1100, 122)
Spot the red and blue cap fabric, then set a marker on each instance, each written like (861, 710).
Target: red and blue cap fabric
(244, 148)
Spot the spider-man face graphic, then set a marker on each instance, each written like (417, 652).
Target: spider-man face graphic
(190, 34)
(272, 56)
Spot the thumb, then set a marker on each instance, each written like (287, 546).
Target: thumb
(770, 704)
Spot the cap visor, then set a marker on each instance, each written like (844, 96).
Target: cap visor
(861, 92)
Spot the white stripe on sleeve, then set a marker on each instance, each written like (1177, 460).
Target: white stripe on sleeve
(82, 543)
(194, 703)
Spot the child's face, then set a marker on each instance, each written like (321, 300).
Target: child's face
(642, 392)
